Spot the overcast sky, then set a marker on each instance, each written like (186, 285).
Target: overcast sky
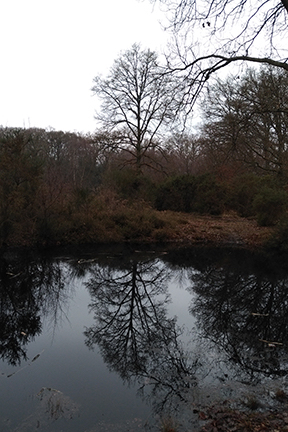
(52, 49)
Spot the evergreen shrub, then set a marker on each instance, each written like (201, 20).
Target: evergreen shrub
(188, 193)
(269, 205)
(176, 194)
(210, 197)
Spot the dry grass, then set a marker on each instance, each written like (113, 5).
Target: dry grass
(228, 229)
(140, 223)
(226, 420)
(168, 425)
(106, 219)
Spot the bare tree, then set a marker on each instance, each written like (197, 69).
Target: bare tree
(246, 120)
(184, 153)
(137, 101)
(210, 35)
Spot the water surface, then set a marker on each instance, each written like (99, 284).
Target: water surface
(122, 338)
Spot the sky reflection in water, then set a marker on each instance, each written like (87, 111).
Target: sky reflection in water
(115, 339)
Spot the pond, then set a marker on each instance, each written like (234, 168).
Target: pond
(125, 338)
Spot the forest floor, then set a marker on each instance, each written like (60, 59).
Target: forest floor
(222, 419)
(227, 229)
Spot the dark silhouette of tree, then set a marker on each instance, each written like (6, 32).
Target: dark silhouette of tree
(44, 176)
(21, 166)
(246, 121)
(137, 101)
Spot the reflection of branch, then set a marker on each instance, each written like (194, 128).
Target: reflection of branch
(24, 367)
(170, 373)
(126, 314)
(134, 334)
(225, 309)
(35, 291)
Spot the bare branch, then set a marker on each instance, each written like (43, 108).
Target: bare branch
(137, 100)
(197, 73)
(233, 30)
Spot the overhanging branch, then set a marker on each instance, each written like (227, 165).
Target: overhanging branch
(198, 72)
(222, 61)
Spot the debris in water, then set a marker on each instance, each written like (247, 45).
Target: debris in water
(56, 404)
(270, 343)
(259, 314)
(24, 367)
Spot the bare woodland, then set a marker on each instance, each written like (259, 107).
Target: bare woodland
(226, 66)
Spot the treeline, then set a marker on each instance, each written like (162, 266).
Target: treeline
(62, 187)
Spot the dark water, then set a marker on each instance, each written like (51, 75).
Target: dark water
(120, 339)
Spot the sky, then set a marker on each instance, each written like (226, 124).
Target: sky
(52, 49)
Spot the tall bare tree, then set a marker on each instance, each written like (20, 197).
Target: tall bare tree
(137, 101)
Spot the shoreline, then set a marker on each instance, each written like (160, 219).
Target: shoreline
(182, 229)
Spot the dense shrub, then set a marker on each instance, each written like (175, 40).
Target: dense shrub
(262, 197)
(210, 197)
(129, 184)
(269, 205)
(243, 190)
(191, 194)
(176, 194)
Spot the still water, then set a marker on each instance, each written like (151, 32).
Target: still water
(124, 338)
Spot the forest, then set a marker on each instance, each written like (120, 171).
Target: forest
(140, 170)
(199, 130)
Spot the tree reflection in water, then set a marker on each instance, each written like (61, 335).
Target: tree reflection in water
(135, 336)
(240, 302)
(31, 288)
(243, 311)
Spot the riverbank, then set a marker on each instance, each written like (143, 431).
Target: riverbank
(226, 230)
(140, 224)
(223, 419)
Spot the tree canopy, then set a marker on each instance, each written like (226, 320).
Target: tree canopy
(137, 100)
(247, 120)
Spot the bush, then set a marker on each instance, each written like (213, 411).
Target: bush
(242, 193)
(191, 194)
(247, 187)
(210, 197)
(269, 205)
(130, 185)
(176, 194)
